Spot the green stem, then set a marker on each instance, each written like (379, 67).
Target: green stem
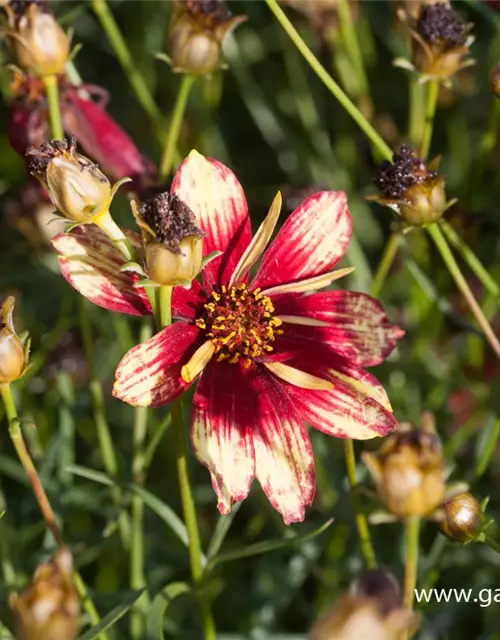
(108, 226)
(384, 266)
(104, 438)
(41, 497)
(175, 126)
(430, 112)
(412, 533)
(137, 575)
(329, 82)
(492, 544)
(439, 240)
(52, 92)
(417, 107)
(475, 265)
(361, 521)
(164, 305)
(486, 145)
(136, 80)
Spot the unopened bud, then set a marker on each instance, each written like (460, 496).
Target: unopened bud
(12, 352)
(49, 608)
(197, 33)
(172, 241)
(408, 471)
(495, 80)
(76, 186)
(40, 44)
(463, 518)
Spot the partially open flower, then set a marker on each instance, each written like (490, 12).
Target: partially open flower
(172, 241)
(39, 43)
(13, 354)
(408, 471)
(463, 519)
(49, 608)
(197, 33)
(412, 189)
(372, 609)
(77, 187)
(440, 41)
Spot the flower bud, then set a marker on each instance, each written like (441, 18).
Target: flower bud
(411, 189)
(40, 45)
(197, 32)
(12, 352)
(77, 187)
(408, 471)
(463, 518)
(172, 241)
(49, 608)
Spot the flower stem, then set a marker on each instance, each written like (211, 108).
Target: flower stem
(117, 41)
(175, 126)
(492, 544)
(52, 93)
(377, 141)
(137, 575)
(41, 497)
(164, 305)
(475, 265)
(187, 500)
(439, 240)
(486, 145)
(412, 533)
(417, 107)
(430, 112)
(361, 521)
(384, 266)
(108, 226)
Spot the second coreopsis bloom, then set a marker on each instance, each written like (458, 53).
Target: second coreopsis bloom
(49, 608)
(197, 33)
(413, 190)
(268, 354)
(440, 42)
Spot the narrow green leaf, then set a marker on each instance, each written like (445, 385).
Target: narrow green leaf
(159, 608)
(268, 545)
(113, 616)
(220, 532)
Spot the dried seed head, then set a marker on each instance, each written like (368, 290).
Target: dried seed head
(197, 32)
(39, 44)
(49, 608)
(12, 352)
(409, 187)
(463, 518)
(439, 23)
(76, 186)
(172, 240)
(408, 471)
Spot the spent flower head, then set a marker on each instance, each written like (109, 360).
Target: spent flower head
(197, 33)
(13, 353)
(49, 608)
(39, 44)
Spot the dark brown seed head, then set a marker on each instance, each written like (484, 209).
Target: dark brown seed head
(394, 178)
(439, 23)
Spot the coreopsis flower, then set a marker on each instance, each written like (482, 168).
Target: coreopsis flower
(440, 42)
(197, 33)
(171, 240)
(39, 44)
(412, 189)
(372, 609)
(409, 471)
(49, 609)
(13, 354)
(462, 518)
(268, 354)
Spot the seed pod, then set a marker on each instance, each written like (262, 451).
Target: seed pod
(463, 518)
(12, 352)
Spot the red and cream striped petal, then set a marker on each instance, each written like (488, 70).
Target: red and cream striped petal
(149, 375)
(357, 407)
(187, 303)
(91, 263)
(310, 243)
(223, 416)
(358, 330)
(284, 461)
(217, 199)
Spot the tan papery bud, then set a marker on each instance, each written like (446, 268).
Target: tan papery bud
(12, 351)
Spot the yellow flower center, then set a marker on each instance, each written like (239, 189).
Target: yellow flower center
(240, 323)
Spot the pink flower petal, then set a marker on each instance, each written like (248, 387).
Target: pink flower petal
(284, 461)
(216, 197)
(149, 375)
(223, 416)
(91, 263)
(310, 243)
(357, 407)
(360, 329)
